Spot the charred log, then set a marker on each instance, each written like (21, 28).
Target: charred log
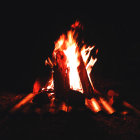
(41, 99)
(75, 98)
(60, 75)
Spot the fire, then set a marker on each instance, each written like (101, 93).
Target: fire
(74, 64)
(85, 55)
(50, 84)
(69, 45)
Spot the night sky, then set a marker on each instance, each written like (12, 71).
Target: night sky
(28, 39)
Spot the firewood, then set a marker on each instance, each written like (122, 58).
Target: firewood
(23, 102)
(93, 105)
(63, 107)
(87, 88)
(60, 75)
(106, 106)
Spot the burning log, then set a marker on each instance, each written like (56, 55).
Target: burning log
(26, 100)
(91, 102)
(61, 75)
(87, 88)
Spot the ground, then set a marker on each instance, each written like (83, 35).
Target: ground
(77, 124)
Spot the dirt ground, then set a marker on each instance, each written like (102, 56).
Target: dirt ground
(77, 124)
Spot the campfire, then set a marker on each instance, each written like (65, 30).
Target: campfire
(71, 86)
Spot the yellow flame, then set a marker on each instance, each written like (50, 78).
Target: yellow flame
(50, 84)
(72, 62)
(68, 44)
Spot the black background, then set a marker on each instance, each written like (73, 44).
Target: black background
(28, 39)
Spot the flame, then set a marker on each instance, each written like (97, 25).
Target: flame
(85, 55)
(50, 84)
(36, 86)
(68, 44)
(73, 62)
(63, 107)
(48, 62)
(76, 24)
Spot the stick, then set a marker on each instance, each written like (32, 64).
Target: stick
(24, 101)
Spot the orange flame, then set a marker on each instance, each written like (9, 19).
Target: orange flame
(63, 107)
(50, 84)
(68, 44)
(76, 24)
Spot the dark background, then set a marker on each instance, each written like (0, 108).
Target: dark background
(28, 39)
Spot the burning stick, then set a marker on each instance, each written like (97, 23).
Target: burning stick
(89, 91)
(26, 100)
(128, 105)
(107, 107)
(90, 102)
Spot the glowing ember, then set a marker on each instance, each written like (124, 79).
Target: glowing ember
(50, 84)
(93, 105)
(107, 106)
(63, 107)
